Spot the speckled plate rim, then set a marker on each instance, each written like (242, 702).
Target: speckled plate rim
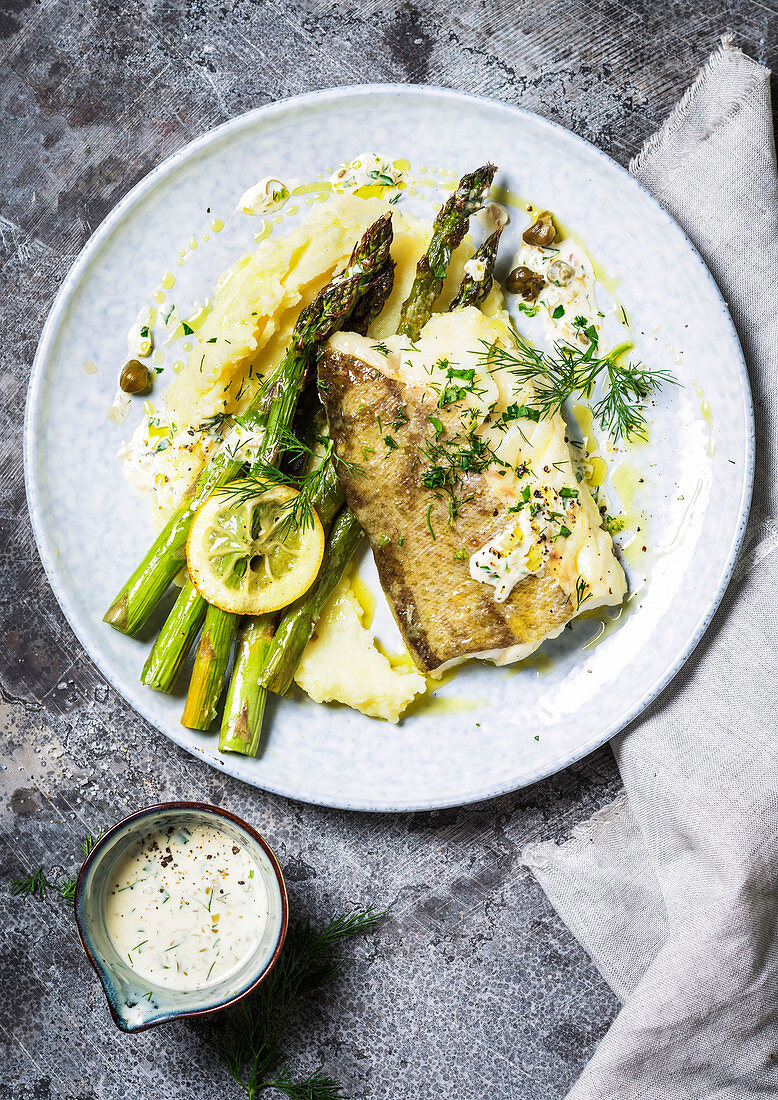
(135, 195)
(106, 980)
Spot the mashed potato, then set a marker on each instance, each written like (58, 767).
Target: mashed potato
(341, 664)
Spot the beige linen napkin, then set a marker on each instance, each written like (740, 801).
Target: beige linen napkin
(673, 889)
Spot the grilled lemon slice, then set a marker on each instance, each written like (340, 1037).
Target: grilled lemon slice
(246, 555)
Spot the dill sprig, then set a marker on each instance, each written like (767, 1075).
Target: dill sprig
(37, 884)
(569, 369)
(582, 592)
(248, 1039)
(213, 425)
(318, 480)
(34, 885)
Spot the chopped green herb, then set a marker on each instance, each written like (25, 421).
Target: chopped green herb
(558, 312)
(390, 442)
(521, 412)
(614, 524)
(400, 418)
(461, 555)
(570, 493)
(188, 330)
(582, 592)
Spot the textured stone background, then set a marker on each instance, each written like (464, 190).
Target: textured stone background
(473, 987)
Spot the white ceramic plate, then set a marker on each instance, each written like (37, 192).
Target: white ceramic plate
(505, 728)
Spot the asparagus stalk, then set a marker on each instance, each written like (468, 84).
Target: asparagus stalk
(299, 621)
(448, 230)
(244, 707)
(271, 412)
(211, 661)
(474, 291)
(174, 641)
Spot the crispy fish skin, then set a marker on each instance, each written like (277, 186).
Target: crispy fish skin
(443, 614)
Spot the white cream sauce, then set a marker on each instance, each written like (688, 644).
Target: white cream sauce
(564, 303)
(119, 408)
(243, 442)
(369, 170)
(509, 556)
(185, 907)
(476, 269)
(269, 194)
(491, 215)
(140, 339)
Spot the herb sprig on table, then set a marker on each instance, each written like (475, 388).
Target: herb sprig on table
(249, 1038)
(37, 884)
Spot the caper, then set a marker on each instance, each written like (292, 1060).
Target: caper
(559, 273)
(526, 282)
(135, 377)
(542, 232)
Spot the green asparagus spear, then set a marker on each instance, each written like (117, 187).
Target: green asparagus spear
(448, 231)
(270, 412)
(144, 589)
(370, 305)
(244, 707)
(211, 661)
(474, 291)
(174, 641)
(299, 621)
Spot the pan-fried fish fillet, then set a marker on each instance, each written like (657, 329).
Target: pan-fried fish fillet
(486, 541)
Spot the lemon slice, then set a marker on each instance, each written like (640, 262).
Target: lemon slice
(244, 555)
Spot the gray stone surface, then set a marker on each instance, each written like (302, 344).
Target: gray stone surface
(473, 987)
